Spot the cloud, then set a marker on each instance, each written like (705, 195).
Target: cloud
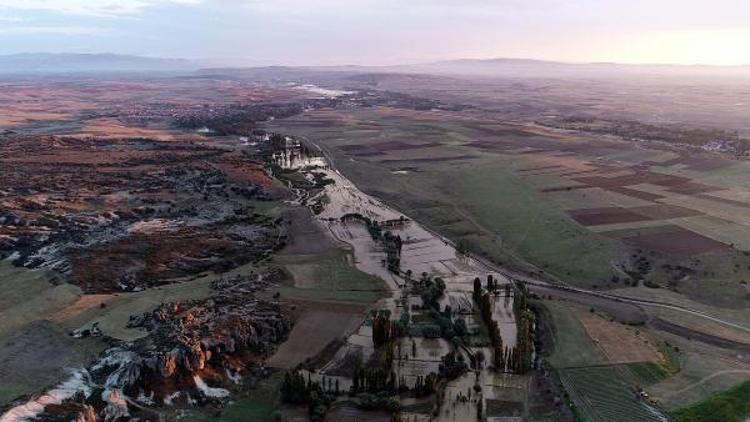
(50, 30)
(381, 6)
(91, 7)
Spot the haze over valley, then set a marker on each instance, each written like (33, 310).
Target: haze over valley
(431, 212)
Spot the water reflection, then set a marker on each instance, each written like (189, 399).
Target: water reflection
(290, 154)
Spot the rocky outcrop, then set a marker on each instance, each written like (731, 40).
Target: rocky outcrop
(159, 212)
(224, 332)
(221, 336)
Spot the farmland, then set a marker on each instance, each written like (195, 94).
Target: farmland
(329, 276)
(731, 405)
(582, 210)
(600, 395)
(591, 211)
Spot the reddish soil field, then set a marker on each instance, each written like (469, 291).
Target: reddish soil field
(368, 153)
(639, 177)
(599, 216)
(533, 151)
(693, 163)
(724, 200)
(576, 173)
(354, 147)
(677, 241)
(540, 168)
(705, 164)
(492, 145)
(621, 344)
(692, 188)
(646, 196)
(676, 184)
(565, 188)
(664, 211)
(691, 334)
(398, 145)
(502, 130)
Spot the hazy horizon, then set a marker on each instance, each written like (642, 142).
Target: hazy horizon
(238, 62)
(366, 32)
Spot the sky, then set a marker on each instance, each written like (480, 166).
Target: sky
(382, 32)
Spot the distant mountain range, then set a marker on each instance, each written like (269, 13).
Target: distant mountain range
(541, 68)
(31, 63)
(44, 63)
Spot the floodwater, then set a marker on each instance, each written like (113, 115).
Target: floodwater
(293, 155)
(323, 92)
(423, 252)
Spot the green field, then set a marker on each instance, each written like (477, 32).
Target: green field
(328, 276)
(485, 206)
(600, 395)
(240, 411)
(481, 203)
(572, 345)
(645, 373)
(33, 351)
(489, 198)
(258, 403)
(730, 406)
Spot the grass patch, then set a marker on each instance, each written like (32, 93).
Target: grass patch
(10, 392)
(255, 404)
(484, 205)
(729, 406)
(647, 373)
(330, 295)
(600, 395)
(240, 411)
(329, 276)
(572, 345)
(529, 225)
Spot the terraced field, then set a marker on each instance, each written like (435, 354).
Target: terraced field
(600, 395)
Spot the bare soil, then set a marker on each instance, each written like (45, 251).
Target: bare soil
(315, 326)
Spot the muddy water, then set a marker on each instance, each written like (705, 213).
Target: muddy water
(422, 252)
(290, 154)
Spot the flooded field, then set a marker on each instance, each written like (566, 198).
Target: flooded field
(423, 253)
(292, 155)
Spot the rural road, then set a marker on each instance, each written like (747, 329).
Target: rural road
(706, 379)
